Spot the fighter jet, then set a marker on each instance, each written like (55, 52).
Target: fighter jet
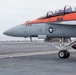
(58, 24)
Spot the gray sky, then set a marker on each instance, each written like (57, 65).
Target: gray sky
(14, 12)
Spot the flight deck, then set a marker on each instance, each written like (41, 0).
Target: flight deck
(34, 58)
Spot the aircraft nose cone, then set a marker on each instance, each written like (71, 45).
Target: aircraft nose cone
(12, 31)
(17, 31)
(8, 32)
(5, 33)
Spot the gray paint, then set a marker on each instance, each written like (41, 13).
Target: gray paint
(42, 29)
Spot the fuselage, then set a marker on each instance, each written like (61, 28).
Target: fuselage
(63, 25)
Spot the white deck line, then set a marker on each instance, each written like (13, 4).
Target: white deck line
(29, 54)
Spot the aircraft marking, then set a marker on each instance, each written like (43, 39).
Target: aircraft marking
(50, 29)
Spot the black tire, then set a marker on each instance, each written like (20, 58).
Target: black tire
(67, 54)
(63, 54)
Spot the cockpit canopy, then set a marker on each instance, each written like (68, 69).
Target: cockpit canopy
(67, 9)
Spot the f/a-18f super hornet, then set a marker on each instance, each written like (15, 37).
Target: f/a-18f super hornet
(58, 24)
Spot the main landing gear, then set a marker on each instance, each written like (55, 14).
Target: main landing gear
(63, 53)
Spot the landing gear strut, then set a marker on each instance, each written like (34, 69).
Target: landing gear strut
(63, 53)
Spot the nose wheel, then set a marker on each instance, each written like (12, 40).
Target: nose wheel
(63, 54)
